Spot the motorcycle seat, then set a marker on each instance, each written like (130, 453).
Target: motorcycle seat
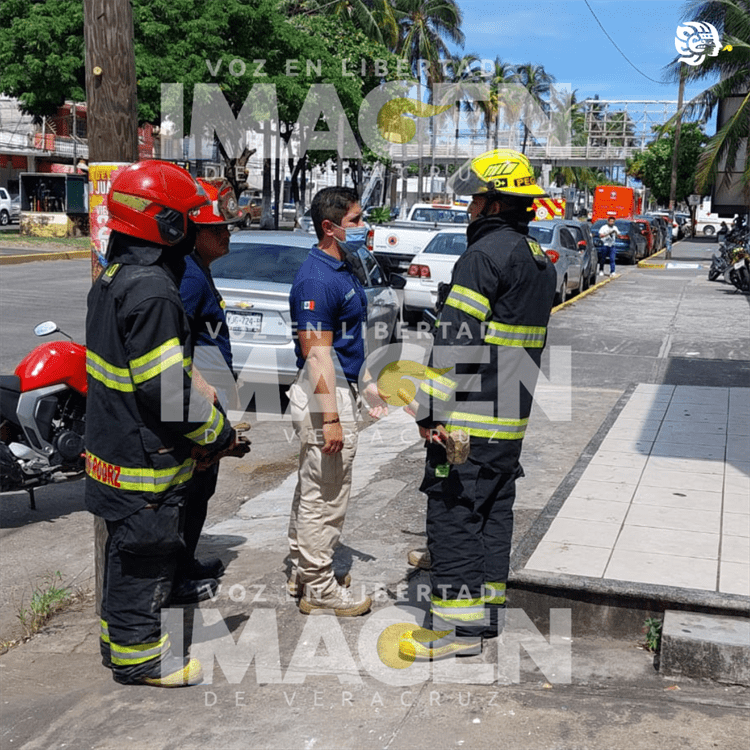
(10, 391)
(10, 383)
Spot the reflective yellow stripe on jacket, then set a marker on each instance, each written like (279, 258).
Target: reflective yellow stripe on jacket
(116, 378)
(209, 430)
(156, 361)
(138, 480)
(529, 337)
(468, 301)
(437, 385)
(480, 425)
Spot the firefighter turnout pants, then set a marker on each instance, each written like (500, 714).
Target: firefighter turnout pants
(140, 562)
(200, 490)
(469, 532)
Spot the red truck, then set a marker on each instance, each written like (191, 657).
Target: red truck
(617, 201)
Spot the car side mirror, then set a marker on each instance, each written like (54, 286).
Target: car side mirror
(396, 281)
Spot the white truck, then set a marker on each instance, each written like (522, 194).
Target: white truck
(706, 222)
(396, 243)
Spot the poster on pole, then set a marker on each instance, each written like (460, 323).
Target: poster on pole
(100, 180)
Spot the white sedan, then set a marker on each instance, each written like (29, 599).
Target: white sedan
(429, 267)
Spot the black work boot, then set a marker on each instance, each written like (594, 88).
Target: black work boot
(201, 569)
(189, 591)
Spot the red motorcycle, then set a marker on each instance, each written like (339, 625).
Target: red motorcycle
(43, 416)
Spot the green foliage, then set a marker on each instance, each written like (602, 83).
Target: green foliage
(46, 599)
(380, 215)
(41, 53)
(653, 166)
(652, 630)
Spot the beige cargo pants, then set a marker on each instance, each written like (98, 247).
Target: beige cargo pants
(321, 497)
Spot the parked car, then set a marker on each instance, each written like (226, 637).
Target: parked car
(15, 209)
(586, 249)
(630, 245)
(557, 241)
(305, 223)
(428, 268)
(255, 279)
(659, 227)
(251, 209)
(649, 232)
(5, 207)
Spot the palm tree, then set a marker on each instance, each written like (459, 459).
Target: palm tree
(537, 82)
(462, 70)
(499, 79)
(374, 17)
(732, 20)
(424, 26)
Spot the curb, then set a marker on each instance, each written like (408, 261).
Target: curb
(12, 260)
(581, 295)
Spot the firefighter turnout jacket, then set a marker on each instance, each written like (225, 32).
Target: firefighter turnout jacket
(143, 418)
(489, 340)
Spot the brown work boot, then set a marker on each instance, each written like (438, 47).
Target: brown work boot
(295, 590)
(419, 558)
(343, 603)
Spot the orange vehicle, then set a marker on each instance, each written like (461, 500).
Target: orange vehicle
(251, 209)
(615, 200)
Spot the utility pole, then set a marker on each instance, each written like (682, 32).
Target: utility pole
(112, 113)
(678, 128)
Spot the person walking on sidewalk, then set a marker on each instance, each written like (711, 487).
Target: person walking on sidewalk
(144, 422)
(328, 309)
(212, 357)
(492, 325)
(608, 233)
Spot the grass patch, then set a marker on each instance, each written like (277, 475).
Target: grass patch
(14, 238)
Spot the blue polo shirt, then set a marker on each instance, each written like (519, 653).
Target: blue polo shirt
(327, 296)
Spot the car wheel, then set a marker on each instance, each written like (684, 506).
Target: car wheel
(709, 231)
(562, 292)
(4, 218)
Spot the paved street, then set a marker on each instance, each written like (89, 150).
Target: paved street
(647, 332)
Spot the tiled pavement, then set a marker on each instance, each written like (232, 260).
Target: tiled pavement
(665, 500)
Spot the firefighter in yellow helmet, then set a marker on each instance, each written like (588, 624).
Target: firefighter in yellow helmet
(489, 339)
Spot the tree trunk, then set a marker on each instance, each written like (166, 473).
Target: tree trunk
(112, 113)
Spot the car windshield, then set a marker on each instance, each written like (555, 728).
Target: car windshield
(543, 235)
(442, 215)
(447, 244)
(256, 261)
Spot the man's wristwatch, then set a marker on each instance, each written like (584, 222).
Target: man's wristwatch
(331, 421)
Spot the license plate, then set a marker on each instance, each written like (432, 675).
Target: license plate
(244, 322)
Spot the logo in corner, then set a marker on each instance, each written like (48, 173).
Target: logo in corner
(696, 40)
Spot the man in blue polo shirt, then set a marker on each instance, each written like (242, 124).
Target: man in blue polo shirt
(329, 311)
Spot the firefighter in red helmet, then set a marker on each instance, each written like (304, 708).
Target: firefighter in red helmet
(212, 356)
(145, 424)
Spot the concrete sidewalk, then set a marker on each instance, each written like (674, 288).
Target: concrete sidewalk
(614, 494)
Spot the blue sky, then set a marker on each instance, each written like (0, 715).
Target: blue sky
(565, 38)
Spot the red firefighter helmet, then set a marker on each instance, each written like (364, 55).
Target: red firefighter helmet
(152, 199)
(223, 208)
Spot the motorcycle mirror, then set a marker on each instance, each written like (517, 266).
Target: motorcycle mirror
(44, 329)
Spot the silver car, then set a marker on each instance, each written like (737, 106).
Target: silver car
(557, 241)
(255, 279)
